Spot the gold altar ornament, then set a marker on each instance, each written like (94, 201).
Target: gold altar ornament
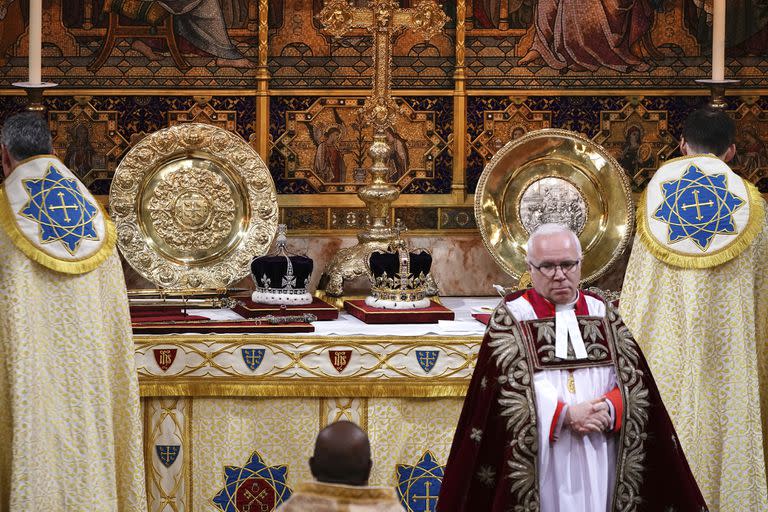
(555, 176)
(382, 18)
(193, 204)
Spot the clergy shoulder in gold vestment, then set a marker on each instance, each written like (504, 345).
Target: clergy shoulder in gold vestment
(341, 465)
(69, 399)
(695, 296)
(562, 414)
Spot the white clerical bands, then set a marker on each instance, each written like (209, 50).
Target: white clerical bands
(566, 325)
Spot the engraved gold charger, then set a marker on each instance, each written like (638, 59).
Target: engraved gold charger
(554, 176)
(193, 204)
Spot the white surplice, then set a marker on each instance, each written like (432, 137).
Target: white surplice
(576, 472)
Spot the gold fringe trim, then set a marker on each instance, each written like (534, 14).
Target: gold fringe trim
(347, 492)
(302, 388)
(8, 224)
(715, 258)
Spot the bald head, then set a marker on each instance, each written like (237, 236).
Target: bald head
(342, 455)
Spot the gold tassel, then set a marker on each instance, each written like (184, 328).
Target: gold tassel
(743, 239)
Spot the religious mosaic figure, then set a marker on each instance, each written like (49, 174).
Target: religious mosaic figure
(752, 156)
(329, 160)
(746, 25)
(80, 150)
(11, 26)
(635, 154)
(398, 158)
(581, 35)
(202, 24)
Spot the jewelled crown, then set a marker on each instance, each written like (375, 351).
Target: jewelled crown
(281, 278)
(399, 276)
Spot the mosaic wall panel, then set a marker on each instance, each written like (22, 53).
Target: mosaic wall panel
(509, 44)
(661, 43)
(91, 134)
(302, 55)
(640, 132)
(212, 44)
(321, 145)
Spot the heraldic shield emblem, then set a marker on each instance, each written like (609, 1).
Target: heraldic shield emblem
(340, 359)
(253, 357)
(167, 453)
(419, 486)
(254, 487)
(164, 357)
(427, 359)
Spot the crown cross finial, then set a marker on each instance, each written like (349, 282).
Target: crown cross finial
(399, 227)
(281, 239)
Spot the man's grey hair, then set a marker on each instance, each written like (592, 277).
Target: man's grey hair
(26, 135)
(550, 229)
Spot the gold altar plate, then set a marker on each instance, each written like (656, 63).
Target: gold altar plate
(193, 204)
(554, 176)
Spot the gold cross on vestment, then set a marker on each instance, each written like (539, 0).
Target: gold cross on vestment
(167, 453)
(428, 498)
(696, 204)
(64, 206)
(382, 18)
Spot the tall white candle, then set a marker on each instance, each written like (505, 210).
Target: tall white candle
(718, 40)
(35, 41)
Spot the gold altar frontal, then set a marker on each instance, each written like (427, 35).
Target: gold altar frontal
(218, 408)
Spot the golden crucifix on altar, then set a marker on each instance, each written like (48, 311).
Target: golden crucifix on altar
(382, 18)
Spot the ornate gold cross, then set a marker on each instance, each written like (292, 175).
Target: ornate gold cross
(427, 497)
(64, 206)
(696, 204)
(382, 18)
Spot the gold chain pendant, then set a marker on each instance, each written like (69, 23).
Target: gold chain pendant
(571, 383)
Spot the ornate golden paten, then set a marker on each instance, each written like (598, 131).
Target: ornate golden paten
(554, 176)
(193, 205)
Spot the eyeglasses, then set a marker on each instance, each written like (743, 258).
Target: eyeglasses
(550, 269)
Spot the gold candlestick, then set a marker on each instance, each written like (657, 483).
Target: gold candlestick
(717, 91)
(35, 94)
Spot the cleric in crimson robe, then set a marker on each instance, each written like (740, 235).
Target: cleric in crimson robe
(562, 414)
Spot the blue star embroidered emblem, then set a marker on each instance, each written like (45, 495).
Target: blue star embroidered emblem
(698, 206)
(253, 487)
(61, 210)
(419, 486)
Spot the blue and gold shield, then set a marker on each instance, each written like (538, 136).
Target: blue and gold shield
(252, 357)
(427, 359)
(167, 453)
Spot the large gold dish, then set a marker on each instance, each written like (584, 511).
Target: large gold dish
(554, 176)
(193, 204)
